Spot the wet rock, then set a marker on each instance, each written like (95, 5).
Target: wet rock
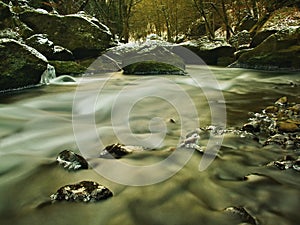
(85, 191)
(287, 127)
(271, 109)
(278, 124)
(247, 23)
(191, 141)
(22, 69)
(152, 68)
(288, 162)
(282, 101)
(71, 161)
(82, 35)
(117, 151)
(242, 214)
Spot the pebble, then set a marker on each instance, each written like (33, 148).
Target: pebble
(242, 214)
(118, 151)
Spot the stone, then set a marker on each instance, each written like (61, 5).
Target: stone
(288, 162)
(152, 68)
(209, 51)
(22, 69)
(85, 191)
(118, 151)
(71, 161)
(282, 101)
(242, 214)
(287, 127)
(83, 36)
(45, 46)
(280, 51)
(271, 109)
(260, 37)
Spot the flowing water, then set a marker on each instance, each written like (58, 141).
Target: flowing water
(38, 123)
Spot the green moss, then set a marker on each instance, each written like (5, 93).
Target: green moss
(151, 68)
(67, 67)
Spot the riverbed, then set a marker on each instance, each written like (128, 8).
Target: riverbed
(156, 113)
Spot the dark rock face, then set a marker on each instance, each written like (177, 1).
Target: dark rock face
(261, 36)
(52, 52)
(152, 68)
(78, 33)
(22, 69)
(71, 160)
(85, 191)
(5, 15)
(247, 23)
(280, 51)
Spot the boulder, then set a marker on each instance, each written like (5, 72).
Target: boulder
(152, 68)
(67, 67)
(84, 36)
(52, 52)
(142, 57)
(280, 51)
(211, 51)
(261, 36)
(22, 69)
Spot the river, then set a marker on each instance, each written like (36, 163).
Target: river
(40, 122)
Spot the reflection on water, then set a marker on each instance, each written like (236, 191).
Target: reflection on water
(36, 124)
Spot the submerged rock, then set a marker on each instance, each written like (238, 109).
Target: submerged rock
(85, 191)
(117, 151)
(242, 214)
(20, 65)
(71, 160)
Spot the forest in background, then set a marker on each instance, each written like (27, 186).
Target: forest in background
(175, 20)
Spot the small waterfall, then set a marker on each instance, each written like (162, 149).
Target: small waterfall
(48, 75)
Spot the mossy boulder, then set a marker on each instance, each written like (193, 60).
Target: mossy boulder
(22, 69)
(67, 68)
(152, 68)
(84, 36)
(280, 51)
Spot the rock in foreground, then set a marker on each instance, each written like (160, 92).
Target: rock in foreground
(85, 191)
(117, 151)
(71, 160)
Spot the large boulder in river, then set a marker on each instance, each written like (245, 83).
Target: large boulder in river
(20, 65)
(84, 36)
(280, 51)
(217, 52)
